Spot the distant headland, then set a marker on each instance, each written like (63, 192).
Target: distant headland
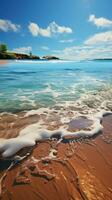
(102, 59)
(7, 55)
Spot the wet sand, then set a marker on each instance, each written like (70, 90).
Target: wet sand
(69, 170)
(3, 62)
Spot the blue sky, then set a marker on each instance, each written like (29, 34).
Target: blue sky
(72, 29)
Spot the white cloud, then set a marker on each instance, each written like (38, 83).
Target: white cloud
(100, 38)
(97, 46)
(45, 48)
(52, 29)
(100, 22)
(22, 50)
(7, 25)
(84, 52)
(55, 28)
(67, 41)
(36, 30)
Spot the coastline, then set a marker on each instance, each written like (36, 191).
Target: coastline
(66, 170)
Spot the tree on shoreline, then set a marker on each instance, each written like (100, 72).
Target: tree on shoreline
(3, 48)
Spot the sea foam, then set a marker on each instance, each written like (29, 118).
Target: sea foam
(34, 132)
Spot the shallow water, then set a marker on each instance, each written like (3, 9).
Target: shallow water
(26, 85)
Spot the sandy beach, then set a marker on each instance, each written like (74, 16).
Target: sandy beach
(80, 169)
(3, 62)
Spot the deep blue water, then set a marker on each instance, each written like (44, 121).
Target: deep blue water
(28, 85)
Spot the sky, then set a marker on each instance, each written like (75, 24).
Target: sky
(69, 29)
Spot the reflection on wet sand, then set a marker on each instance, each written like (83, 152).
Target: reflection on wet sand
(69, 170)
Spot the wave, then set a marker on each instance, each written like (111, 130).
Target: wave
(56, 119)
(45, 61)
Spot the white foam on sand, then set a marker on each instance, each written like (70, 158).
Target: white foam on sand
(33, 133)
(36, 112)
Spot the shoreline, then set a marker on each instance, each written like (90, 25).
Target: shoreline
(23, 132)
(65, 170)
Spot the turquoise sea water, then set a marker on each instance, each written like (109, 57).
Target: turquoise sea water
(26, 85)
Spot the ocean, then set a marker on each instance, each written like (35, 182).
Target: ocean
(26, 85)
(58, 92)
